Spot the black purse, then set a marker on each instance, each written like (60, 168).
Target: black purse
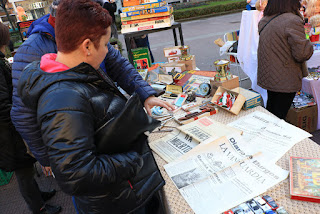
(126, 129)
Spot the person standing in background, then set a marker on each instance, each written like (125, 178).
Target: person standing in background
(13, 152)
(111, 7)
(282, 53)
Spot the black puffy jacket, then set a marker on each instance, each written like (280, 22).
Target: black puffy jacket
(71, 105)
(13, 152)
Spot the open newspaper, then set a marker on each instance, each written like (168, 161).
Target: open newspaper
(186, 137)
(220, 174)
(270, 134)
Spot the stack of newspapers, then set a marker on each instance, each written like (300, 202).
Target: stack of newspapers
(150, 14)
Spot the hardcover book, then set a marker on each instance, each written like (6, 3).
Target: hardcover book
(305, 179)
(144, 20)
(142, 24)
(145, 11)
(144, 6)
(141, 58)
(147, 27)
(146, 16)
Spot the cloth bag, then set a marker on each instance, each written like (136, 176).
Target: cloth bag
(125, 129)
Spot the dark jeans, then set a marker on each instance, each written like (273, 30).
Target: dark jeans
(279, 103)
(29, 188)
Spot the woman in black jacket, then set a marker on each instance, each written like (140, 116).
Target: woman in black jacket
(73, 100)
(13, 152)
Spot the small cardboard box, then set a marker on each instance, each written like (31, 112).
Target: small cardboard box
(305, 118)
(237, 105)
(190, 64)
(253, 99)
(172, 51)
(141, 58)
(174, 59)
(228, 84)
(177, 67)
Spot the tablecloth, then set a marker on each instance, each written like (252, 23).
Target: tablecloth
(280, 192)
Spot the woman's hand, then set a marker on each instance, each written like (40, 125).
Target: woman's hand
(154, 101)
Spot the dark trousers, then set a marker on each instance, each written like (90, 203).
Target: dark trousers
(29, 188)
(279, 103)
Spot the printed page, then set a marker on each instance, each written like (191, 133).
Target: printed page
(270, 135)
(217, 176)
(205, 128)
(173, 145)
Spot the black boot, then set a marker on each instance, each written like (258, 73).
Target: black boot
(49, 209)
(47, 195)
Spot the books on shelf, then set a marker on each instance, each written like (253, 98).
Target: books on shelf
(162, 20)
(144, 6)
(305, 179)
(145, 16)
(144, 20)
(145, 11)
(148, 27)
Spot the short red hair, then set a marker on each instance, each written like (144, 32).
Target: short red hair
(77, 20)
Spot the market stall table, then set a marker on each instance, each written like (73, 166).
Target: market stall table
(280, 193)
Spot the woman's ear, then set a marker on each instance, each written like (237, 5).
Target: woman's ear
(86, 47)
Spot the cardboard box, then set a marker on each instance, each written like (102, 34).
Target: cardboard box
(305, 118)
(141, 58)
(172, 51)
(228, 84)
(253, 99)
(174, 59)
(177, 67)
(190, 64)
(237, 105)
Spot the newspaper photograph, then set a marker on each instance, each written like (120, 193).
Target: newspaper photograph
(217, 176)
(173, 145)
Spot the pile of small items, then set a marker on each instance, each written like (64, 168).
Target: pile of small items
(258, 205)
(314, 73)
(226, 100)
(302, 100)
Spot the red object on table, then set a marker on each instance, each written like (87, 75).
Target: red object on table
(314, 38)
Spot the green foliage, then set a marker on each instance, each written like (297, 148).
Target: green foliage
(207, 10)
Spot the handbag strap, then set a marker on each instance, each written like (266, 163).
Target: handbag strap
(268, 23)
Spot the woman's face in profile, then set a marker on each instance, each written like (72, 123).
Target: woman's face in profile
(100, 53)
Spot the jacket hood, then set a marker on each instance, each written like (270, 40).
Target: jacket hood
(34, 81)
(41, 26)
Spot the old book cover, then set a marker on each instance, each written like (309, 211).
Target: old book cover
(141, 58)
(146, 16)
(144, 6)
(305, 179)
(142, 24)
(145, 11)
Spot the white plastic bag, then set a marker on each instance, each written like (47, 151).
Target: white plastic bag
(224, 49)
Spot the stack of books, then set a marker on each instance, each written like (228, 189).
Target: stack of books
(150, 14)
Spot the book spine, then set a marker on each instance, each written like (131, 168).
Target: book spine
(144, 6)
(150, 1)
(160, 21)
(147, 27)
(146, 11)
(147, 16)
(144, 20)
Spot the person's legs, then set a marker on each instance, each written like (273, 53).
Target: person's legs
(279, 103)
(114, 30)
(29, 188)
